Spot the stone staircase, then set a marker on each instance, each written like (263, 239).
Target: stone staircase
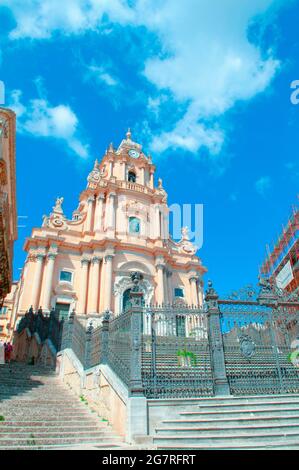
(38, 412)
(232, 423)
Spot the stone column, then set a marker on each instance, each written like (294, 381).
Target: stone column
(221, 385)
(108, 282)
(151, 180)
(165, 286)
(98, 216)
(94, 284)
(169, 285)
(142, 175)
(123, 170)
(157, 221)
(48, 281)
(193, 288)
(37, 280)
(82, 304)
(110, 212)
(89, 214)
(160, 287)
(110, 168)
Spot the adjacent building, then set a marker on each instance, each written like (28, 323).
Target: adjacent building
(8, 214)
(282, 263)
(120, 226)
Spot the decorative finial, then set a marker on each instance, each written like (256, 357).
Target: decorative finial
(111, 149)
(96, 163)
(160, 183)
(129, 134)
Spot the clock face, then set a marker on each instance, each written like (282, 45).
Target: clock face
(133, 153)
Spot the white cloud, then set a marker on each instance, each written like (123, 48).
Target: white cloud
(206, 63)
(40, 19)
(262, 185)
(40, 119)
(101, 75)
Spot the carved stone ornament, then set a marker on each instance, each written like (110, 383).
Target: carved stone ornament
(247, 346)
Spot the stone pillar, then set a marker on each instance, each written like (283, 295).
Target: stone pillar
(108, 282)
(123, 170)
(169, 285)
(98, 216)
(157, 221)
(82, 304)
(165, 286)
(88, 222)
(94, 284)
(160, 287)
(136, 388)
(110, 212)
(165, 224)
(193, 288)
(151, 179)
(221, 385)
(110, 168)
(37, 280)
(142, 175)
(49, 281)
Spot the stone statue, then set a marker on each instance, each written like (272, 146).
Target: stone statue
(58, 204)
(185, 233)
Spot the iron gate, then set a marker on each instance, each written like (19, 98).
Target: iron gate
(176, 359)
(261, 342)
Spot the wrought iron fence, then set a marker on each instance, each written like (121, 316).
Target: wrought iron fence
(119, 346)
(239, 345)
(84, 342)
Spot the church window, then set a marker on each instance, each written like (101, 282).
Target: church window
(178, 292)
(66, 276)
(132, 177)
(3, 311)
(134, 225)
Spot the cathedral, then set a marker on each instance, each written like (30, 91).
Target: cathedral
(120, 226)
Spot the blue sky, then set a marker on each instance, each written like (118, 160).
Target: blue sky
(203, 84)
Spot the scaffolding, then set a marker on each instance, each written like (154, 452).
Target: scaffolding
(286, 249)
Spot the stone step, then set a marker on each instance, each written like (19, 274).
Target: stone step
(55, 423)
(51, 420)
(29, 415)
(100, 434)
(232, 440)
(288, 444)
(250, 404)
(236, 431)
(47, 402)
(286, 410)
(86, 446)
(32, 427)
(220, 400)
(12, 442)
(232, 422)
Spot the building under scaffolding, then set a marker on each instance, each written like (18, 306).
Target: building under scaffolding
(282, 263)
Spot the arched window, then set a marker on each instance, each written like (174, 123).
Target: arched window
(132, 176)
(134, 225)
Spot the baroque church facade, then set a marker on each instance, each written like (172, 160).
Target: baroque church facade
(120, 226)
